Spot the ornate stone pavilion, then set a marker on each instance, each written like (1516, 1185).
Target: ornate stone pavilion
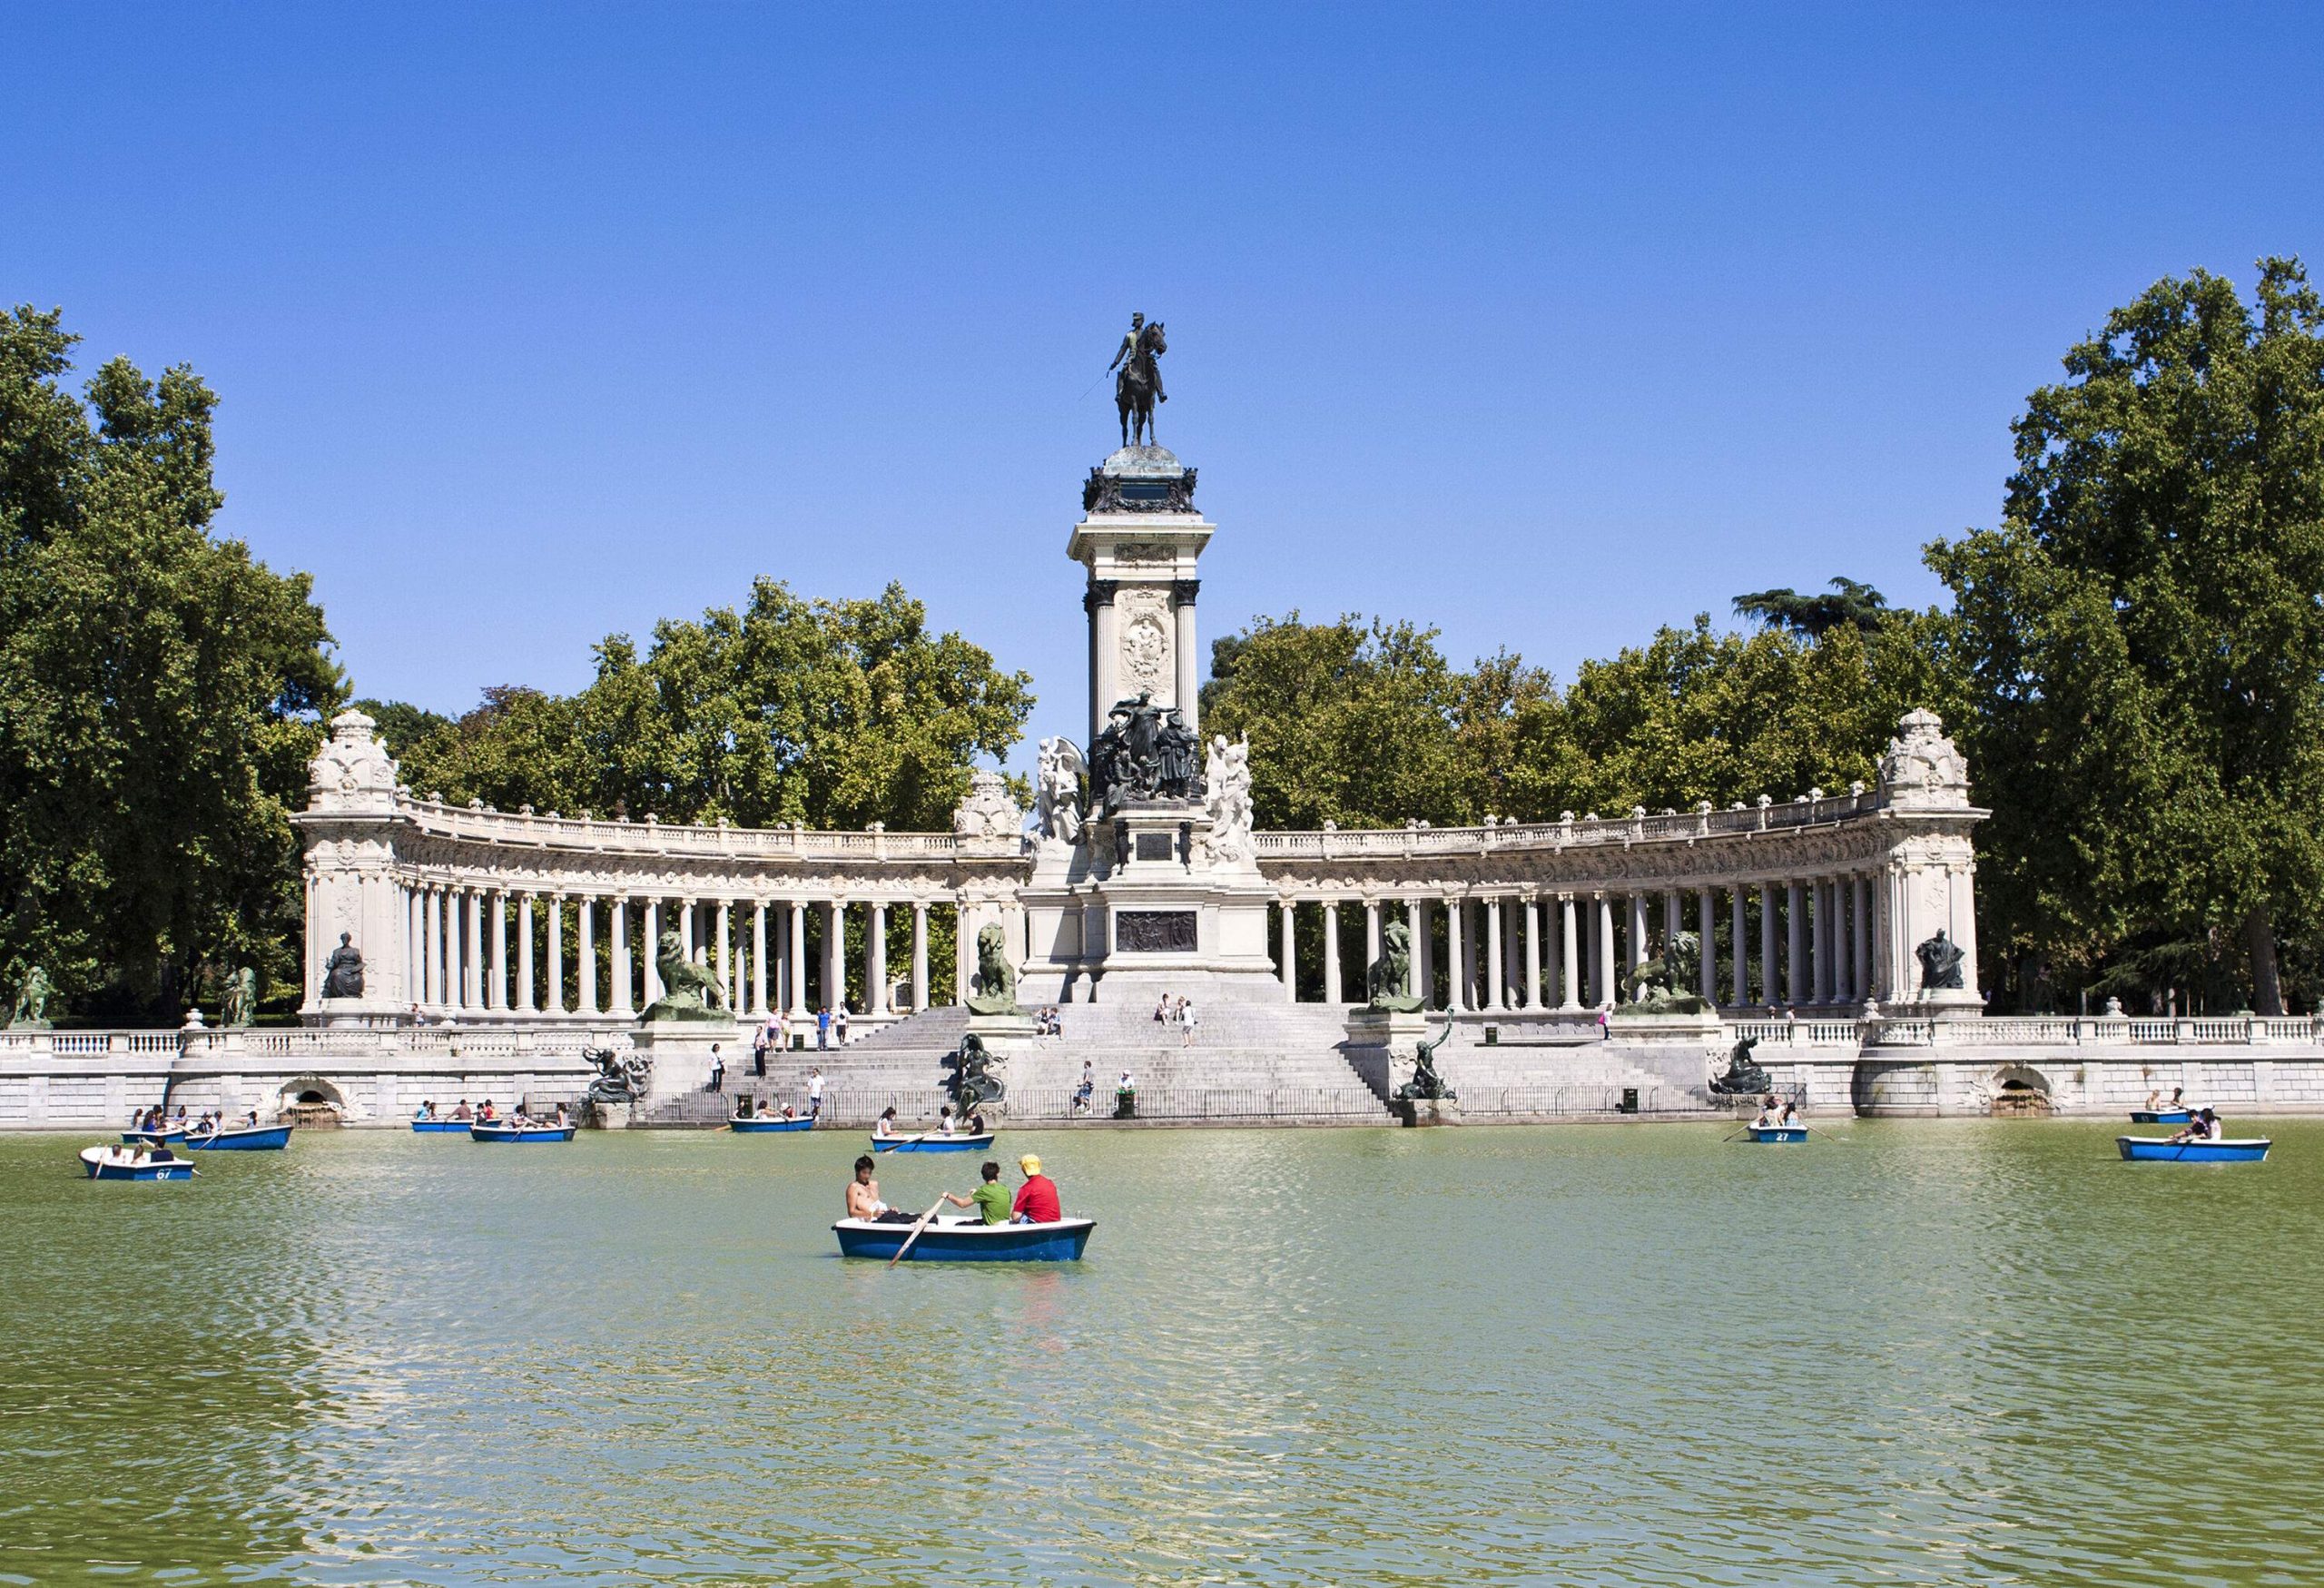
(1141, 873)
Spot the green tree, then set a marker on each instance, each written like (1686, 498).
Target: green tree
(2145, 631)
(160, 692)
(1851, 604)
(832, 714)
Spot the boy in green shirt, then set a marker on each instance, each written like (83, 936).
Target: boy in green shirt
(991, 1198)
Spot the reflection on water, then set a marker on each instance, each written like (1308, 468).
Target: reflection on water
(1910, 1353)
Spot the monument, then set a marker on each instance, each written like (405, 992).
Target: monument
(1145, 877)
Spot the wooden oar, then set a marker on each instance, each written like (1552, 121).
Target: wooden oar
(915, 1232)
(892, 1142)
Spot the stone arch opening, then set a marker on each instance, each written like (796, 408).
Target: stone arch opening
(2020, 1093)
(310, 1101)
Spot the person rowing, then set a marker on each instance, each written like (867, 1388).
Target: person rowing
(863, 1198)
(885, 1124)
(991, 1198)
(1767, 1120)
(2202, 1125)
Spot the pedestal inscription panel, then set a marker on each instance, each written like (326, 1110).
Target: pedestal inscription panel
(1155, 931)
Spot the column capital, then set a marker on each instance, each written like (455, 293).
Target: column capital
(1183, 591)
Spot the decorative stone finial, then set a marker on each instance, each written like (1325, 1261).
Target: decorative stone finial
(1924, 770)
(352, 771)
(987, 815)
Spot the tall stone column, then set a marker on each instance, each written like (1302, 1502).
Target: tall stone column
(1289, 970)
(1570, 956)
(585, 944)
(1104, 649)
(1707, 969)
(835, 954)
(726, 952)
(1423, 951)
(1532, 953)
(1371, 942)
(1189, 660)
(1456, 962)
(1494, 961)
(1768, 943)
(797, 934)
(1735, 926)
(919, 954)
(1636, 944)
(1841, 981)
(618, 966)
(1601, 949)
(555, 1002)
(758, 958)
(472, 950)
(1795, 965)
(431, 950)
(875, 957)
(1861, 898)
(496, 992)
(525, 1004)
(1819, 965)
(651, 947)
(1332, 951)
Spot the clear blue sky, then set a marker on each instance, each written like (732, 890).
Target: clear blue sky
(1541, 325)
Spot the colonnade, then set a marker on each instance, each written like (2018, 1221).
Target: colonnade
(481, 949)
(1796, 942)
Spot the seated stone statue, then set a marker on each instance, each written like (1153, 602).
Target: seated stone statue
(976, 1085)
(689, 992)
(1426, 1085)
(1389, 981)
(343, 972)
(993, 989)
(1743, 1077)
(1940, 958)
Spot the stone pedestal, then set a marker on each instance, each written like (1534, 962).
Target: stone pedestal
(611, 1116)
(1411, 1111)
(355, 1013)
(680, 1050)
(1382, 1046)
(1936, 1003)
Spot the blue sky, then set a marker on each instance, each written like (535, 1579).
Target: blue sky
(1541, 325)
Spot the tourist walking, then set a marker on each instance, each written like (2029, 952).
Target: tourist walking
(717, 1071)
(1188, 1020)
(824, 1028)
(814, 1094)
(839, 1025)
(1605, 1032)
(1086, 1090)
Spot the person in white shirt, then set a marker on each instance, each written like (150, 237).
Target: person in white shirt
(944, 1120)
(885, 1126)
(1188, 1020)
(814, 1094)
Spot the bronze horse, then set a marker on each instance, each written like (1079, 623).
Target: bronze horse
(1140, 385)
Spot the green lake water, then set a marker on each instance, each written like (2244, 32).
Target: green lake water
(1912, 1353)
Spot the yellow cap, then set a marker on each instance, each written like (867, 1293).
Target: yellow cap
(1030, 1164)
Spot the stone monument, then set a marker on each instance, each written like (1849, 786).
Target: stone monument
(1927, 946)
(678, 1033)
(1145, 876)
(351, 863)
(28, 1010)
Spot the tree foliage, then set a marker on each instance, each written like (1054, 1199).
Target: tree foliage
(160, 692)
(831, 714)
(1851, 604)
(2145, 631)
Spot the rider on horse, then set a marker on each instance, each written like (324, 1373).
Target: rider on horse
(1134, 349)
(1139, 388)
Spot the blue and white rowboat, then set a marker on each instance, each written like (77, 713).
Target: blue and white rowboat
(153, 1138)
(99, 1164)
(2156, 1149)
(249, 1138)
(933, 1143)
(521, 1133)
(1766, 1133)
(967, 1240)
(2161, 1116)
(767, 1124)
(441, 1127)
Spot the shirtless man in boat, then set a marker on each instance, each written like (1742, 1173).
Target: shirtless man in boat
(863, 1198)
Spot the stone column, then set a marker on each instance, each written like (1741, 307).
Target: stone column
(1104, 689)
(496, 994)
(1841, 985)
(525, 1004)
(796, 935)
(652, 949)
(685, 927)
(1332, 951)
(1861, 898)
(431, 948)
(1707, 970)
(1423, 951)
(1371, 942)
(1768, 943)
(1601, 950)
(1734, 924)
(472, 950)
(919, 954)
(1637, 945)
(1288, 908)
(875, 957)
(1565, 953)
(584, 945)
(622, 988)
(1494, 958)
(835, 954)
(1532, 953)
(555, 1001)
(726, 952)
(758, 958)
(1182, 593)
(1795, 978)
(1456, 962)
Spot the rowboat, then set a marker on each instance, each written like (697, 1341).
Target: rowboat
(766, 1124)
(2161, 1116)
(441, 1127)
(521, 1133)
(967, 1240)
(1778, 1132)
(153, 1138)
(2157, 1149)
(249, 1138)
(931, 1143)
(99, 1164)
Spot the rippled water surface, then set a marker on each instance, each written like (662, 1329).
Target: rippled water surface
(1909, 1353)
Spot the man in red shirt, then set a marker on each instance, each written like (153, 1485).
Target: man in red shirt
(1037, 1202)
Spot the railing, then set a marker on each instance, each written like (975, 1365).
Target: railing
(528, 830)
(1397, 842)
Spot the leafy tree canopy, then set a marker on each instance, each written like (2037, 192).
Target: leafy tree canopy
(832, 714)
(1851, 604)
(161, 692)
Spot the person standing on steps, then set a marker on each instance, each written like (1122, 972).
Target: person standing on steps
(839, 1025)
(759, 1041)
(717, 1071)
(824, 1028)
